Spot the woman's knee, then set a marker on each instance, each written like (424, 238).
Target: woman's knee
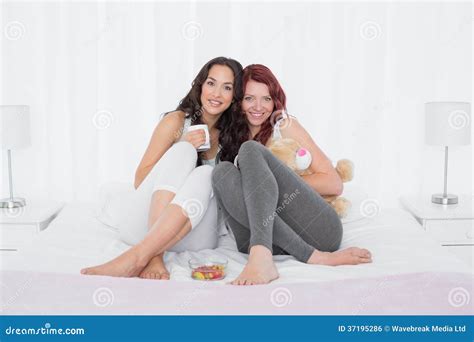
(185, 150)
(251, 150)
(219, 174)
(250, 146)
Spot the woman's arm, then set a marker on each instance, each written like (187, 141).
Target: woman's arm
(165, 134)
(324, 178)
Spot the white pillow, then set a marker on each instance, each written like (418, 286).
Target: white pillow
(359, 205)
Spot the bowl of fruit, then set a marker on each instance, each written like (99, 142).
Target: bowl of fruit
(208, 268)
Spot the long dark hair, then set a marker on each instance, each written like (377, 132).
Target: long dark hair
(230, 122)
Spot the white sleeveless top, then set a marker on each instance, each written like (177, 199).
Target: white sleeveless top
(187, 123)
(276, 129)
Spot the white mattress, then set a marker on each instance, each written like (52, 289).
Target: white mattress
(76, 239)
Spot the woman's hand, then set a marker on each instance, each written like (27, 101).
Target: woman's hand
(196, 137)
(324, 178)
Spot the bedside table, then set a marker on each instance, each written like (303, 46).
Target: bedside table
(20, 225)
(452, 225)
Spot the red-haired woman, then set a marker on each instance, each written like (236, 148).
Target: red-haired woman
(268, 207)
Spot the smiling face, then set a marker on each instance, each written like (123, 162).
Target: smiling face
(217, 90)
(257, 104)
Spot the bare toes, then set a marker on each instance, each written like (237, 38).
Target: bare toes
(358, 253)
(88, 271)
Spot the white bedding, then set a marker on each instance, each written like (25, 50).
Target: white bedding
(76, 239)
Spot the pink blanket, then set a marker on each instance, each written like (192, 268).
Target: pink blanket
(29, 293)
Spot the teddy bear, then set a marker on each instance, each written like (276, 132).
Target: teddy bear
(299, 159)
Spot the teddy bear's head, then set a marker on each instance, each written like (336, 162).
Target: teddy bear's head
(298, 159)
(285, 150)
(291, 154)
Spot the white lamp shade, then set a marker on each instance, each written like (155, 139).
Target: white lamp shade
(448, 123)
(15, 127)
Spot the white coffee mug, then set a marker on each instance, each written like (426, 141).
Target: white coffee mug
(207, 145)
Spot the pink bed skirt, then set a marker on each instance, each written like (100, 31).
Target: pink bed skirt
(29, 293)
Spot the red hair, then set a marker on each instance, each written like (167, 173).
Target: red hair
(261, 74)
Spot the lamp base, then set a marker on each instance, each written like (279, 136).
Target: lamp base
(16, 202)
(442, 199)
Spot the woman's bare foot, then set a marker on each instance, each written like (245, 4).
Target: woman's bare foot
(348, 256)
(155, 269)
(260, 268)
(128, 264)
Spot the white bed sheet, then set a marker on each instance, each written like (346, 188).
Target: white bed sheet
(76, 239)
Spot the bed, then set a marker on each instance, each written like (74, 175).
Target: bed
(410, 275)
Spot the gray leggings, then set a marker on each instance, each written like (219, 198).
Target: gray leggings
(266, 203)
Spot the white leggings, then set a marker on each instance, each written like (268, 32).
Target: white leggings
(176, 172)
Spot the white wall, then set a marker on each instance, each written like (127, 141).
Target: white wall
(356, 75)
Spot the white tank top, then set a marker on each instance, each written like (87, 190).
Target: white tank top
(187, 123)
(276, 128)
